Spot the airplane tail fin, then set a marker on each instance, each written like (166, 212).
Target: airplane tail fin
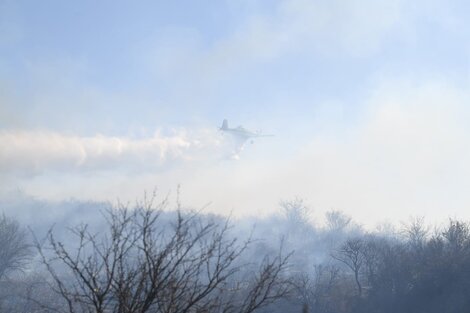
(224, 125)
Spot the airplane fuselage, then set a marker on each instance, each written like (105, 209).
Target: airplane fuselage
(240, 131)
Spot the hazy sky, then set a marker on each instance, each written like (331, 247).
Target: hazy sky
(369, 102)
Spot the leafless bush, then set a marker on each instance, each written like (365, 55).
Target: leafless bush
(140, 264)
(14, 248)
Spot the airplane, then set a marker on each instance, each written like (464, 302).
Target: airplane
(241, 135)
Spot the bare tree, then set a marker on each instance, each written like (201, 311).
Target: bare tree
(336, 220)
(315, 289)
(416, 232)
(351, 253)
(457, 236)
(14, 248)
(295, 211)
(141, 264)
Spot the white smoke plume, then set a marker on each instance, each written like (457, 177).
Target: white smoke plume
(32, 153)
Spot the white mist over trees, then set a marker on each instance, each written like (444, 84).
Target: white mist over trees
(153, 258)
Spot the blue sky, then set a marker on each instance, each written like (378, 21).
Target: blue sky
(368, 101)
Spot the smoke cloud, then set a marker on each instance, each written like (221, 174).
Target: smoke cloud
(32, 153)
